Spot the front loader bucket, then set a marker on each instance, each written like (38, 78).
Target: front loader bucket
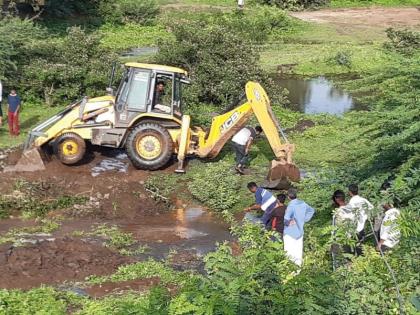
(30, 161)
(280, 174)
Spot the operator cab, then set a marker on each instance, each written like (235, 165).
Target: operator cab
(149, 88)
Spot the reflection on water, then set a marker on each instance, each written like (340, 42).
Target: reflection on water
(316, 96)
(182, 229)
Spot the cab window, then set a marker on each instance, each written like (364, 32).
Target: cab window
(138, 90)
(162, 97)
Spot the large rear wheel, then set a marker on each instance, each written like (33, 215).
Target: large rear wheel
(149, 146)
(69, 148)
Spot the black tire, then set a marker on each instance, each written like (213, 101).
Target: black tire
(155, 142)
(67, 142)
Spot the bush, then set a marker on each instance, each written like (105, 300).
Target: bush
(216, 186)
(16, 47)
(341, 58)
(64, 70)
(294, 4)
(219, 58)
(403, 41)
(125, 11)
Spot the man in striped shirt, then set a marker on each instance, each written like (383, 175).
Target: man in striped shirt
(265, 201)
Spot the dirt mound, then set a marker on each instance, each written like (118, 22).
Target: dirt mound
(53, 262)
(139, 285)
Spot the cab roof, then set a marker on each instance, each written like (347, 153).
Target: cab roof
(156, 67)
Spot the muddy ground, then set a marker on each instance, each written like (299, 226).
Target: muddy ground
(114, 197)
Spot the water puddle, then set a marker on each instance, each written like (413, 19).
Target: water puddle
(191, 229)
(317, 95)
(117, 161)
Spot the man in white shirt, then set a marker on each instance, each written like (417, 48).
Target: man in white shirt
(343, 217)
(361, 207)
(241, 143)
(389, 233)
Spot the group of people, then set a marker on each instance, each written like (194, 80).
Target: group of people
(289, 220)
(355, 215)
(13, 106)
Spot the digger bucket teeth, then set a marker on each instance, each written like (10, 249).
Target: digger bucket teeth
(280, 175)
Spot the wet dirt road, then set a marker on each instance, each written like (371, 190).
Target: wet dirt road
(116, 196)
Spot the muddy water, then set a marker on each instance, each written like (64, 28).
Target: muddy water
(317, 95)
(192, 229)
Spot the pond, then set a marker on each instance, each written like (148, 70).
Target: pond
(317, 95)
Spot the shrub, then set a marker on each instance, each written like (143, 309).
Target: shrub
(219, 58)
(63, 71)
(124, 11)
(341, 58)
(403, 41)
(216, 186)
(16, 47)
(294, 4)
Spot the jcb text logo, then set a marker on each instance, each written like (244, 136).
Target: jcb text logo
(228, 123)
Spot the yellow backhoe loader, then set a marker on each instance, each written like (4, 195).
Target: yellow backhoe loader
(145, 117)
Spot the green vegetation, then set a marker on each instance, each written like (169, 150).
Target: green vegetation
(221, 52)
(114, 238)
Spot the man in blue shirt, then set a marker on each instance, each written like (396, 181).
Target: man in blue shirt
(14, 102)
(297, 214)
(265, 201)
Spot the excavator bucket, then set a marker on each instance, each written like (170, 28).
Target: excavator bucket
(30, 161)
(282, 171)
(281, 174)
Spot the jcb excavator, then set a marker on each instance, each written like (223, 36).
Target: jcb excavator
(149, 124)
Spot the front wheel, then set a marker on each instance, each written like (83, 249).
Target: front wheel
(69, 148)
(149, 146)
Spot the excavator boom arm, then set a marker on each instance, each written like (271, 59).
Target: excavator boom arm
(226, 125)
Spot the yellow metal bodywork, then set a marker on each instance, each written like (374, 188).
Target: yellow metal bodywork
(71, 121)
(226, 125)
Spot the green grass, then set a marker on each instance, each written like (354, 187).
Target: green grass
(120, 38)
(313, 47)
(30, 115)
(367, 3)
(315, 59)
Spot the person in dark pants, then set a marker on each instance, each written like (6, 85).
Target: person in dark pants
(264, 201)
(14, 102)
(361, 207)
(277, 215)
(241, 143)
